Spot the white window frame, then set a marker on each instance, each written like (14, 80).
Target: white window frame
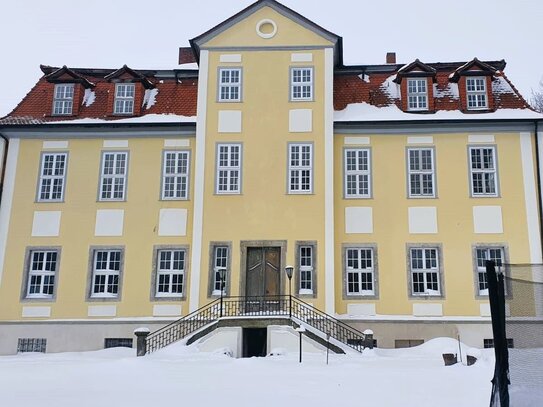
(175, 174)
(228, 174)
(300, 168)
(112, 276)
(63, 99)
(171, 268)
(495, 253)
(429, 271)
(301, 83)
(221, 260)
(417, 94)
(306, 268)
(125, 94)
(52, 177)
(489, 175)
(116, 175)
(476, 93)
(420, 179)
(361, 173)
(41, 270)
(228, 85)
(362, 276)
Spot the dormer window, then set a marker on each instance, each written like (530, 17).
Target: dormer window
(64, 99)
(476, 93)
(417, 94)
(124, 98)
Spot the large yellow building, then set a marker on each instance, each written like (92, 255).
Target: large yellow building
(126, 193)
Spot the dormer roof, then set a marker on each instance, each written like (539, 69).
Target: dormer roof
(128, 73)
(64, 75)
(415, 69)
(475, 67)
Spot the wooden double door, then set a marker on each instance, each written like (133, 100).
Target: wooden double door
(263, 271)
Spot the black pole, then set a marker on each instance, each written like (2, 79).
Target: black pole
(290, 297)
(301, 346)
(222, 289)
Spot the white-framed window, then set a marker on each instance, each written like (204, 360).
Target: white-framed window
(300, 168)
(359, 268)
(357, 173)
(63, 100)
(424, 264)
(476, 93)
(483, 171)
(421, 172)
(52, 177)
(42, 269)
(106, 273)
(175, 175)
(306, 267)
(228, 169)
(124, 98)
(229, 84)
(301, 84)
(482, 254)
(170, 273)
(220, 262)
(113, 176)
(417, 94)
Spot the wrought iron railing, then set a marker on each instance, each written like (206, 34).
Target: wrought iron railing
(268, 306)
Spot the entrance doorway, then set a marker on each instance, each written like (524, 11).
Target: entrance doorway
(263, 271)
(254, 342)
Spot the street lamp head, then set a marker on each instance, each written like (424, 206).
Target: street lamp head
(289, 270)
(222, 272)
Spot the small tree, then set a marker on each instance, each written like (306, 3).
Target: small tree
(537, 98)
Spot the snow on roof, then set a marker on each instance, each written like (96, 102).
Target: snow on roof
(89, 97)
(364, 112)
(149, 99)
(148, 118)
(391, 88)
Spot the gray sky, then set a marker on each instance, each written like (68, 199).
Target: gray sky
(110, 33)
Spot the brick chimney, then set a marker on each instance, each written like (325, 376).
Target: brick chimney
(186, 56)
(391, 57)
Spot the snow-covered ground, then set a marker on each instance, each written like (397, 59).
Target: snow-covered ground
(181, 375)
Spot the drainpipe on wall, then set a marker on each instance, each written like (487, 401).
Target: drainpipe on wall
(538, 168)
(4, 162)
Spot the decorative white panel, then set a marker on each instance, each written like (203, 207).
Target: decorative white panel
(230, 58)
(167, 310)
(420, 140)
(487, 219)
(427, 310)
(172, 222)
(177, 142)
(300, 120)
(55, 144)
(422, 219)
(356, 141)
(116, 143)
(481, 138)
(361, 309)
(301, 57)
(102, 310)
(358, 219)
(109, 222)
(35, 312)
(485, 310)
(229, 121)
(46, 223)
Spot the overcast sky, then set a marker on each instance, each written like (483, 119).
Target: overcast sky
(144, 34)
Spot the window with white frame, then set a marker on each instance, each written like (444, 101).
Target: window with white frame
(229, 84)
(424, 264)
(63, 100)
(483, 254)
(482, 163)
(300, 168)
(113, 176)
(42, 269)
(106, 273)
(228, 169)
(357, 173)
(306, 267)
(124, 98)
(417, 94)
(175, 175)
(476, 93)
(220, 263)
(52, 177)
(301, 84)
(170, 273)
(421, 172)
(359, 270)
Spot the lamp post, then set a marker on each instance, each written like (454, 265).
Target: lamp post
(289, 270)
(222, 275)
(300, 330)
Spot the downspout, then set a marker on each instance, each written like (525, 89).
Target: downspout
(538, 168)
(4, 162)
